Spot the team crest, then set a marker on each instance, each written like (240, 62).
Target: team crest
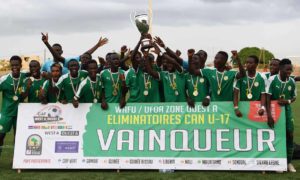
(256, 84)
(225, 78)
(290, 88)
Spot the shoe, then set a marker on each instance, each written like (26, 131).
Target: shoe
(291, 168)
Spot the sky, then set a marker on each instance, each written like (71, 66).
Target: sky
(211, 25)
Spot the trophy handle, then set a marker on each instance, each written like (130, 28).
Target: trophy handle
(132, 18)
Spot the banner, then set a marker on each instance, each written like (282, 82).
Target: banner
(149, 136)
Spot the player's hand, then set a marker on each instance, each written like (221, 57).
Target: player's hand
(104, 105)
(282, 102)
(45, 37)
(29, 83)
(158, 41)
(122, 103)
(261, 112)
(64, 101)
(102, 41)
(270, 122)
(102, 61)
(41, 94)
(234, 54)
(238, 113)
(122, 77)
(178, 53)
(45, 75)
(190, 102)
(75, 103)
(124, 49)
(206, 102)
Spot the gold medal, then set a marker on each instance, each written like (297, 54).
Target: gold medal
(219, 91)
(146, 92)
(249, 96)
(176, 93)
(95, 100)
(115, 92)
(15, 98)
(195, 93)
(202, 80)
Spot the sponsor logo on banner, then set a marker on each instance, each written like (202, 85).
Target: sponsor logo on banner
(34, 145)
(51, 113)
(69, 133)
(66, 146)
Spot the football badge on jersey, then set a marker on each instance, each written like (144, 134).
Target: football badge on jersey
(290, 88)
(225, 78)
(256, 84)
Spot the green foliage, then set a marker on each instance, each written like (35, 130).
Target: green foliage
(264, 55)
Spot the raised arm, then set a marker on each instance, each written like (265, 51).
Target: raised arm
(242, 72)
(134, 53)
(178, 67)
(101, 42)
(55, 55)
(170, 52)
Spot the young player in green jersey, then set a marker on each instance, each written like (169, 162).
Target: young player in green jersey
(49, 92)
(221, 80)
(113, 82)
(69, 83)
(274, 68)
(34, 83)
(173, 80)
(90, 89)
(252, 87)
(11, 88)
(142, 87)
(197, 86)
(282, 88)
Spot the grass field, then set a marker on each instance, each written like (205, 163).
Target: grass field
(6, 172)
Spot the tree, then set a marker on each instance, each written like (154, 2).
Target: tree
(264, 55)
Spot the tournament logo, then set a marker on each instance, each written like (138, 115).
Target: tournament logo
(50, 113)
(34, 145)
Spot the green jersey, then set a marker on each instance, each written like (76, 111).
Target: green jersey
(173, 86)
(278, 88)
(220, 83)
(70, 85)
(11, 94)
(34, 90)
(90, 91)
(111, 83)
(142, 86)
(251, 88)
(197, 87)
(52, 93)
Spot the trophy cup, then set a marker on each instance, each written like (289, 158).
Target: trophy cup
(141, 21)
